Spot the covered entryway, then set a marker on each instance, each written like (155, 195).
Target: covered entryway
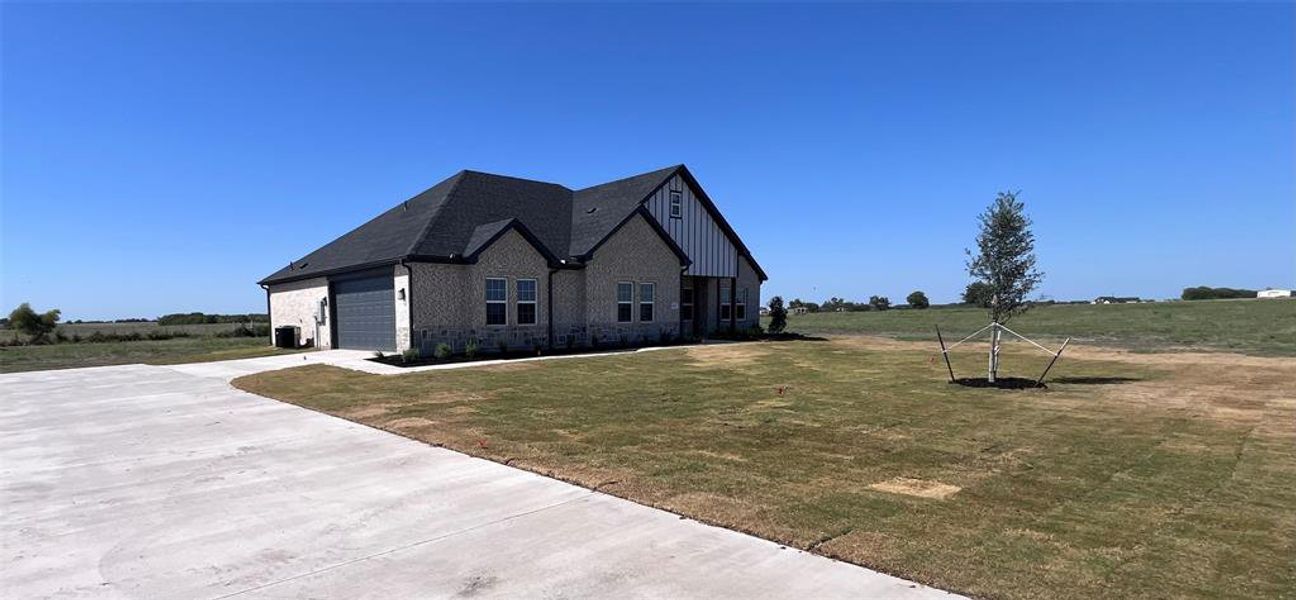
(365, 313)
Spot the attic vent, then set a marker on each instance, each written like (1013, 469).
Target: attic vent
(303, 265)
(590, 211)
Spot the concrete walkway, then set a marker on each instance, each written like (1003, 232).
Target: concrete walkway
(358, 360)
(165, 482)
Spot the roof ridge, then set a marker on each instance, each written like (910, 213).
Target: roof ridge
(454, 187)
(672, 169)
(515, 178)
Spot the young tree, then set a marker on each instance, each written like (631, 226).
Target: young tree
(778, 315)
(1005, 263)
(1005, 257)
(36, 325)
(918, 300)
(879, 302)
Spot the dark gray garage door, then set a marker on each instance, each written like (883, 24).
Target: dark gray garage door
(365, 310)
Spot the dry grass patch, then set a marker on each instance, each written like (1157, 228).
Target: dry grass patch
(916, 487)
(1132, 475)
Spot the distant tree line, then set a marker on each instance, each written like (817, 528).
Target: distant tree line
(1220, 293)
(916, 300)
(197, 318)
(43, 327)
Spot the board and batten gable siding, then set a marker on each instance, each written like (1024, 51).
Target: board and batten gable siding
(695, 232)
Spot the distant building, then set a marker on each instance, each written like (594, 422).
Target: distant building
(1116, 300)
(800, 310)
(1274, 294)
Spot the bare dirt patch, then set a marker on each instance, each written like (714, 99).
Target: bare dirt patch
(512, 366)
(408, 423)
(917, 487)
(371, 411)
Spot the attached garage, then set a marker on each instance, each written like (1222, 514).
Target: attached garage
(364, 312)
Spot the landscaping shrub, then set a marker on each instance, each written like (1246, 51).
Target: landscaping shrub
(443, 351)
(411, 355)
(471, 347)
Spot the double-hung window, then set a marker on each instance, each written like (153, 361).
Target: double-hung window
(676, 204)
(625, 301)
(496, 301)
(740, 309)
(686, 304)
(526, 302)
(726, 300)
(647, 292)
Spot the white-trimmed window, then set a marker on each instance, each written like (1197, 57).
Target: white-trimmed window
(625, 301)
(647, 298)
(726, 300)
(676, 204)
(496, 301)
(740, 309)
(526, 302)
(686, 304)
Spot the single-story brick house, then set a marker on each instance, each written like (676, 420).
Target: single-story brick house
(520, 263)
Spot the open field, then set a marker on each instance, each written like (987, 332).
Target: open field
(154, 352)
(145, 328)
(1133, 475)
(1261, 327)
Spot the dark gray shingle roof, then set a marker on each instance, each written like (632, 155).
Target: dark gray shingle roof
(460, 216)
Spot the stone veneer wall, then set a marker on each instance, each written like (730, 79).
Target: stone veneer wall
(296, 303)
(637, 254)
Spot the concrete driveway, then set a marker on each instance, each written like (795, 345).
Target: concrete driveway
(165, 482)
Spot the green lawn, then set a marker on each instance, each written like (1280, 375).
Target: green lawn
(1133, 475)
(176, 350)
(1262, 327)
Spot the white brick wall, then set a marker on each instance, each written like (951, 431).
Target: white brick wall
(400, 285)
(296, 303)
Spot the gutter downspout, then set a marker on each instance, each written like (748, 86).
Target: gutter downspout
(549, 306)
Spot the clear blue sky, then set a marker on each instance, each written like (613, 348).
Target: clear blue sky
(161, 158)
